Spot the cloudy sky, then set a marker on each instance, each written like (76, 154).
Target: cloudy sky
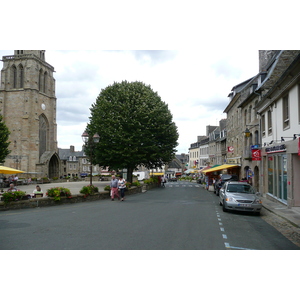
(194, 83)
(208, 47)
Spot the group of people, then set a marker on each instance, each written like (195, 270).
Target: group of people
(37, 190)
(11, 179)
(116, 185)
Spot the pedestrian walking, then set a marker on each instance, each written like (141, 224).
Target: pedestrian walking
(122, 187)
(114, 186)
(163, 181)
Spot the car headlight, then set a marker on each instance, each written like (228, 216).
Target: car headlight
(257, 201)
(230, 199)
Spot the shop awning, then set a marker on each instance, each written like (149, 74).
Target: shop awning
(157, 174)
(222, 167)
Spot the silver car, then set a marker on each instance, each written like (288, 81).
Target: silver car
(240, 196)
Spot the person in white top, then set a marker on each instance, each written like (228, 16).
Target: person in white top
(122, 187)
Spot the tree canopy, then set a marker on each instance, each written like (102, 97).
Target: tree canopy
(135, 128)
(4, 143)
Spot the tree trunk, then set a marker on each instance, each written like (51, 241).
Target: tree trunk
(129, 174)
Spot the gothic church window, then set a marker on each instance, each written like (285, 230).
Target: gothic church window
(41, 81)
(43, 134)
(45, 82)
(14, 77)
(21, 76)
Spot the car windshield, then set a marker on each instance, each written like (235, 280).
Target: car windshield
(240, 188)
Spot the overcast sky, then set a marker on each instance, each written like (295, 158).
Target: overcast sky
(194, 84)
(209, 47)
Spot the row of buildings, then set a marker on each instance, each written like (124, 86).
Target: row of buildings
(259, 139)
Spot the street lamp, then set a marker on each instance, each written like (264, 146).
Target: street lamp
(247, 131)
(90, 142)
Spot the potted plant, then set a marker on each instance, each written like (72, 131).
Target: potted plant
(89, 190)
(58, 192)
(12, 196)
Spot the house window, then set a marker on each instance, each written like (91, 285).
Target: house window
(269, 122)
(263, 125)
(250, 114)
(245, 117)
(285, 111)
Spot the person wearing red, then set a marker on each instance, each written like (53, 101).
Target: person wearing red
(114, 186)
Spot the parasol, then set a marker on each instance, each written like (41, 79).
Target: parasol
(7, 170)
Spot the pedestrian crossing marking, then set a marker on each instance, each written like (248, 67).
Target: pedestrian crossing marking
(172, 185)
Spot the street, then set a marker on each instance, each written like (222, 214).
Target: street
(181, 216)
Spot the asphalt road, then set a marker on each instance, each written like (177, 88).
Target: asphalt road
(181, 216)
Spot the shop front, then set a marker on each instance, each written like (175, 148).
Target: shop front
(212, 174)
(282, 165)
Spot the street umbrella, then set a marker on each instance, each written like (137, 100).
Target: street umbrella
(7, 170)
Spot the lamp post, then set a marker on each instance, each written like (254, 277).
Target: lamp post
(90, 142)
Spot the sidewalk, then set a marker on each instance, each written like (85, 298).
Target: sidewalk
(291, 215)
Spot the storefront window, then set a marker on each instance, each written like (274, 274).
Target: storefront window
(270, 174)
(277, 176)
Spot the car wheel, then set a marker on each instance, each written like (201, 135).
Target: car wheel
(224, 208)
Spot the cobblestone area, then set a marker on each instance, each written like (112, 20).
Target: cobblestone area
(286, 228)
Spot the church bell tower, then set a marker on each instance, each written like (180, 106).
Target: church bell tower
(28, 107)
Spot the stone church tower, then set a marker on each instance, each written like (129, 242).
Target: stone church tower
(28, 107)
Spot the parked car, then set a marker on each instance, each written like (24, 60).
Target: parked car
(172, 179)
(220, 182)
(240, 196)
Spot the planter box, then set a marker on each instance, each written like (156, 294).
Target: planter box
(49, 201)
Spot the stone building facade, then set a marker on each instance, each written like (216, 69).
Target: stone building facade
(28, 107)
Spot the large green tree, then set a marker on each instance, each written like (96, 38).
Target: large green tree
(135, 128)
(4, 143)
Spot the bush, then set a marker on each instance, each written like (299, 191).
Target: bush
(136, 183)
(57, 192)
(13, 196)
(89, 190)
(107, 188)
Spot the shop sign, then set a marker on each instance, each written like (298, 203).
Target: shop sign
(256, 154)
(255, 147)
(274, 149)
(230, 149)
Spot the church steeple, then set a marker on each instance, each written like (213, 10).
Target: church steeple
(28, 107)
